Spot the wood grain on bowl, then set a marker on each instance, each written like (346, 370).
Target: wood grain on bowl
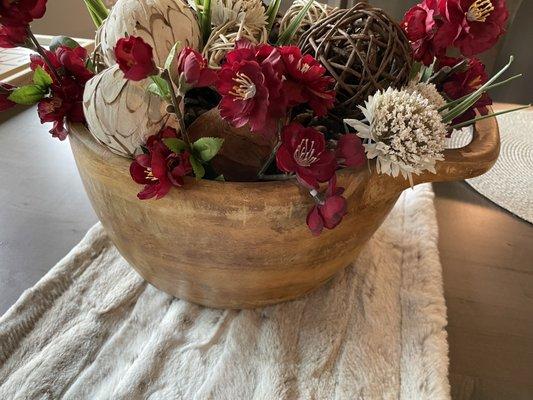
(243, 245)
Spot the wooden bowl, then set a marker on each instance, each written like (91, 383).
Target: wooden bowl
(242, 245)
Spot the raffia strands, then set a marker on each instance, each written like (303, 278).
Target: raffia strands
(222, 40)
(316, 12)
(363, 49)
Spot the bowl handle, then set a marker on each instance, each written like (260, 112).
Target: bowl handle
(470, 161)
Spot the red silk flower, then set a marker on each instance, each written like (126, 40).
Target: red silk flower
(159, 170)
(135, 58)
(480, 23)
(473, 26)
(429, 33)
(21, 12)
(329, 212)
(66, 96)
(251, 89)
(306, 81)
(13, 36)
(303, 152)
(194, 69)
(350, 151)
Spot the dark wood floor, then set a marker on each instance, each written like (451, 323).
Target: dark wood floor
(487, 261)
(487, 257)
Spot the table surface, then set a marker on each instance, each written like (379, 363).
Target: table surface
(485, 251)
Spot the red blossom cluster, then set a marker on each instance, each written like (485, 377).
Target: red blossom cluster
(67, 67)
(259, 84)
(15, 17)
(160, 168)
(303, 151)
(472, 26)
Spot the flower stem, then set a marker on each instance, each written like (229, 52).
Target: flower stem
(176, 101)
(261, 174)
(41, 51)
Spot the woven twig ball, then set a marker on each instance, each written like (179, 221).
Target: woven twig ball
(363, 49)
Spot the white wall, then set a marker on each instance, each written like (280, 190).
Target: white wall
(65, 17)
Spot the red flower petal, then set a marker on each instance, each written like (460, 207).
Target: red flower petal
(333, 210)
(314, 221)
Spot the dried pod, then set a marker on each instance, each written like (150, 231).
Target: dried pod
(243, 153)
(161, 23)
(120, 113)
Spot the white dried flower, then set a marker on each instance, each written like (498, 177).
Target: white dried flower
(429, 91)
(251, 13)
(404, 132)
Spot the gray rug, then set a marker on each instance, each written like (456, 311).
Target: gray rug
(509, 183)
(93, 329)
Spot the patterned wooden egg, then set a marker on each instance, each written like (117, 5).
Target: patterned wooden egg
(161, 23)
(120, 113)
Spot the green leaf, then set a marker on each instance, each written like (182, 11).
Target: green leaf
(427, 72)
(220, 178)
(207, 147)
(175, 144)
(417, 66)
(41, 78)
(97, 10)
(172, 55)
(287, 35)
(27, 95)
(89, 64)
(272, 12)
(58, 41)
(159, 87)
(197, 167)
(482, 117)
(460, 108)
(205, 18)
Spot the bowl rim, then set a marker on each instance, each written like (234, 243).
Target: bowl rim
(82, 133)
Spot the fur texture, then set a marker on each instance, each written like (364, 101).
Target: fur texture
(93, 329)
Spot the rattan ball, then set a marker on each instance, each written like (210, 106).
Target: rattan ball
(363, 49)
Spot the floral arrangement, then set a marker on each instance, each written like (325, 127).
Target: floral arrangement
(235, 68)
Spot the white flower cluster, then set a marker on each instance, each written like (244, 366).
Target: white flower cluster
(404, 132)
(429, 91)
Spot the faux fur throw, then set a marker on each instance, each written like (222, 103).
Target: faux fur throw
(93, 329)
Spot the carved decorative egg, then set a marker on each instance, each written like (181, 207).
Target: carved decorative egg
(161, 23)
(120, 113)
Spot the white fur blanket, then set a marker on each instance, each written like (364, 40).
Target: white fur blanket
(93, 329)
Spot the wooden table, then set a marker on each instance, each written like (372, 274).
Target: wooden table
(486, 255)
(487, 260)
